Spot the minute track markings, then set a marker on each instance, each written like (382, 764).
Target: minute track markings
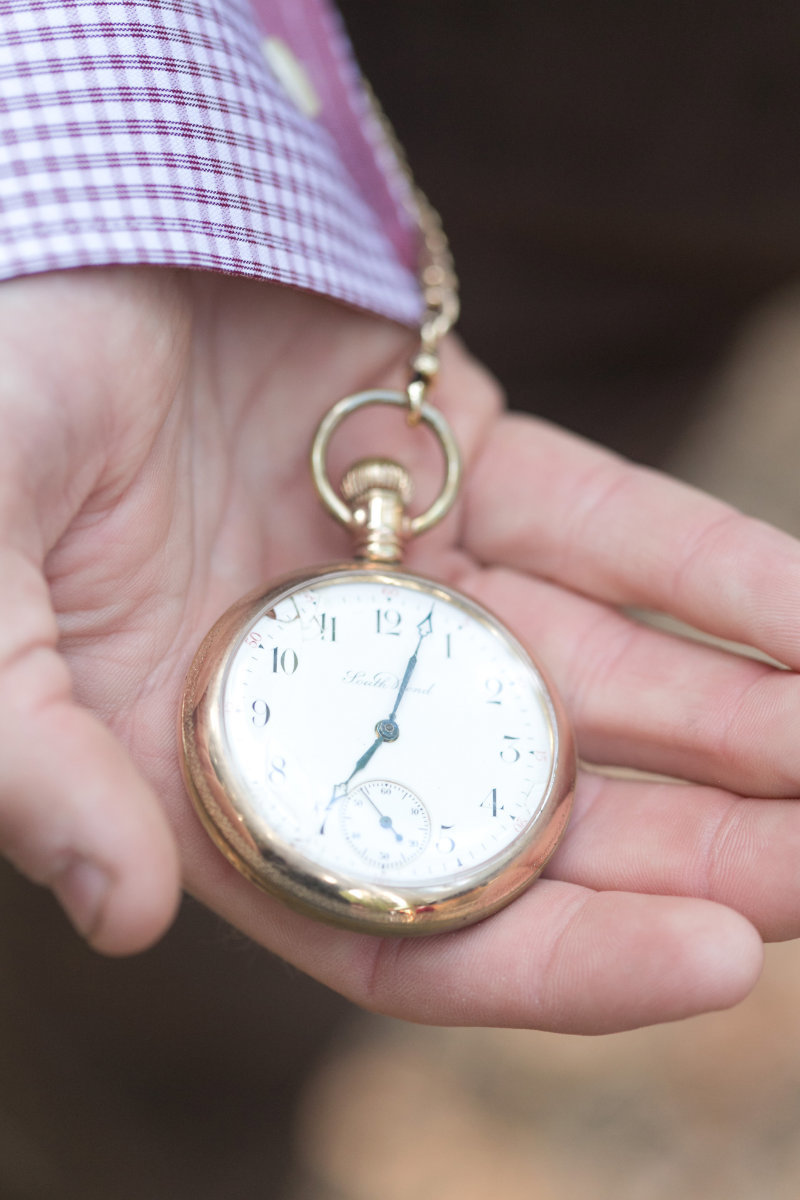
(431, 755)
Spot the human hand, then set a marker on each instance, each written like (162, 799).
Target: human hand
(156, 426)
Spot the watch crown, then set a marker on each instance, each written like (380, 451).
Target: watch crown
(377, 491)
(370, 474)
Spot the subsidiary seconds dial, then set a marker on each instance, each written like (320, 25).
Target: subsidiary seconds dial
(385, 823)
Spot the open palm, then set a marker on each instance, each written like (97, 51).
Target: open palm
(153, 469)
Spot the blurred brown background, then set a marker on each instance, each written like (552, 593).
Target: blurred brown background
(621, 185)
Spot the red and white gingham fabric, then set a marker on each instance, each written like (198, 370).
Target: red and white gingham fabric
(154, 131)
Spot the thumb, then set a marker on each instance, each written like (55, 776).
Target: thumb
(75, 814)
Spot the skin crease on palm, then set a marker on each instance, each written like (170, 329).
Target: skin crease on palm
(153, 469)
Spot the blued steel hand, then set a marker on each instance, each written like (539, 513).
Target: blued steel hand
(386, 732)
(386, 822)
(365, 757)
(425, 627)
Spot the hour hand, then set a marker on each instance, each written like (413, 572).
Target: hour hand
(340, 789)
(365, 757)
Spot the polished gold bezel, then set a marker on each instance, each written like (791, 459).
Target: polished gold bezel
(276, 866)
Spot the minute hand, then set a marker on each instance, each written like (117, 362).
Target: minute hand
(425, 627)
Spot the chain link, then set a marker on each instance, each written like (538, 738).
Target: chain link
(437, 276)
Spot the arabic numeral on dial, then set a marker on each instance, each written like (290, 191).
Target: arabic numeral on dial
(285, 661)
(260, 713)
(445, 845)
(388, 621)
(493, 688)
(510, 754)
(277, 770)
(490, 801)
(327, 627)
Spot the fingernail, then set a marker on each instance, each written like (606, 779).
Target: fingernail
(81, 889)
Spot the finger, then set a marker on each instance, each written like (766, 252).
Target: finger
(74, 813)
(561, 957)
(673, 839)
(642, 698)
(549, 503)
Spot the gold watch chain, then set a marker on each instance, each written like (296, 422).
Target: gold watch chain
(437, 276)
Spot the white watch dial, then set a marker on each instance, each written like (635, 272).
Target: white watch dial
(385, 732)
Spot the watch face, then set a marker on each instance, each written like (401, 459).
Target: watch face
(381, 731)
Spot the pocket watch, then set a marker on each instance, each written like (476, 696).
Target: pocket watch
(372, 747)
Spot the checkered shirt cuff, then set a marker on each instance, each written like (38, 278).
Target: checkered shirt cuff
(156, 131)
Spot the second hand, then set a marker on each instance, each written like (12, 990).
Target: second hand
(386, 822)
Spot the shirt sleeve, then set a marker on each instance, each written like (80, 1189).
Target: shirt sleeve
(228, 135)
